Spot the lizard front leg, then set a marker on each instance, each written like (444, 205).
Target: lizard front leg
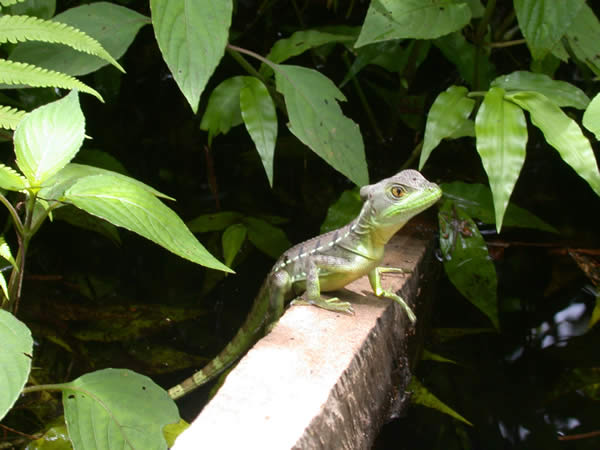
(375, 281)
(312, 296)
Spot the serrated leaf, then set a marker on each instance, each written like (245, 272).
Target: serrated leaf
(192, 37)
(11, 180)
(117, 408)
(15, 359)
(129, 206)
(27, 28)
(467, 261)
(223, 110)
(56, 186)
(544, 22)
(214, 222)
(232, 240)
(317, 120)
(6, 253)
(448, 113)
(583, 36)
(260, 118)
(268, 239)
(422, 396)
(10, 117)
(48, 138)
(10, 2)
(501, 133)
(591, 117)
(16, 73)
(560, 92)
(562, 133)
(113, 26)
(397, 19)
(476, 200)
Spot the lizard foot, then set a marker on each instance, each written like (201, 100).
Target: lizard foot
(330, 304)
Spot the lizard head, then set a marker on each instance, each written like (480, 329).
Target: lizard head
(395, 200)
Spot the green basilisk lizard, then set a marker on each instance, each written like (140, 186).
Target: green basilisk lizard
(329, 262)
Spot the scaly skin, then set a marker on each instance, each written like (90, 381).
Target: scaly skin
(329, 262)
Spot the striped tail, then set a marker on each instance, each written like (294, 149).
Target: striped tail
(248, 334)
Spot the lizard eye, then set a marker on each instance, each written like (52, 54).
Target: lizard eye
(398, 191)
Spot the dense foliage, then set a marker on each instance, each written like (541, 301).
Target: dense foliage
(489, 94)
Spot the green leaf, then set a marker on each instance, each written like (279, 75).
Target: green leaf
(422, 396)
(430, 356)
(129, 206)
(416, 19)
(466, 58)
(232, 240)
(81, 219)
(7, 254)
(113, 26)
(223, 110)
(117, 408)
(260, 118)
(10, 117)
(501, 133)
(43, 9)
(56, 186)
(15, 359)
(11, 180)
(544, 22)
(268, 239)
(16, 73)
(10, 2)
(591, 117)
(214, 222)
(317, 120)
(467, 261)
(583, 36)
(562, 133)
(48, 138)
(344, 210)
(192, 36)
(301, 41)
(448, 113)
(560, 92)
(27, 28)
(476, 200)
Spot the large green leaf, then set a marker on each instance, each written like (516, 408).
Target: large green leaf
(48, 138)
(113, 26)
(560, 92)
(260, 118)
(317, 120)
(501, 133)
(583, 36)
(448, 113)
(476, 200)
(344, 210)
(591, 117)
(232, 240)
(117, 408)
(128, 205)
(56, 186)
(544, 22)
(417, 19)
(192, 36)
(43, 9)
(15, 359)
(466, 259)
(562, 133)
(223, 110)
(214, 222)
